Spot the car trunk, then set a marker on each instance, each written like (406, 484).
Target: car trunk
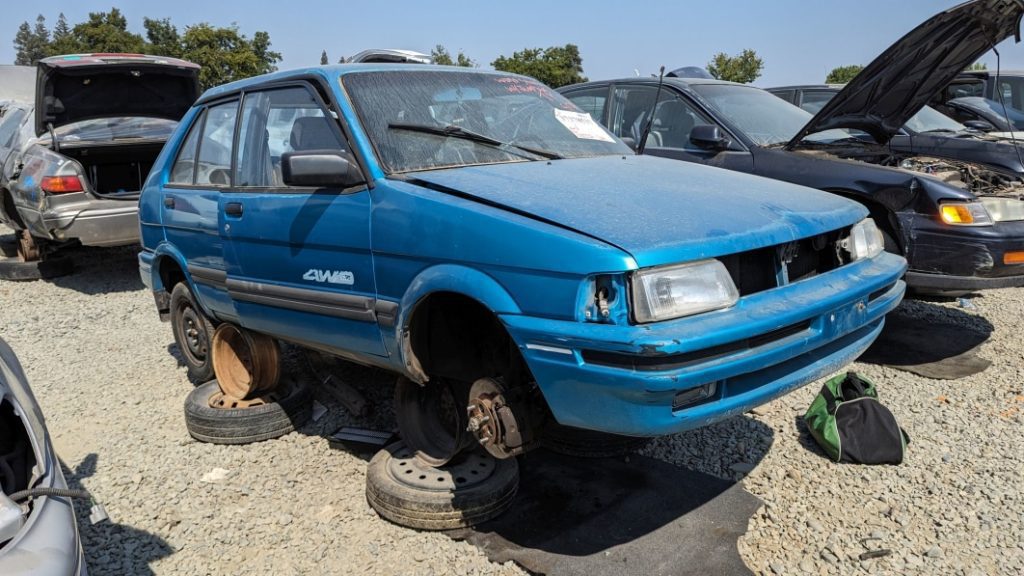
(115, 170)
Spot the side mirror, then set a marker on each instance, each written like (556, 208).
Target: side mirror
(320, 169)
(980, 125)
(708, 137)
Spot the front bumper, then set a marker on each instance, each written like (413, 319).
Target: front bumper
(624, 379)
(945, 258)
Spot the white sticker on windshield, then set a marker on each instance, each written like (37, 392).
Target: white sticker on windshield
(582, 125)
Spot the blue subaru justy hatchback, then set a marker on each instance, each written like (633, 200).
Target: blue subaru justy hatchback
(481, 236)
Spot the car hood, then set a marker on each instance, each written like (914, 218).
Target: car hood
(658, 210)
(80, 87)
(897, 84)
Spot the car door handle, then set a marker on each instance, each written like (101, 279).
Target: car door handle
(169, 202)
(233, 208)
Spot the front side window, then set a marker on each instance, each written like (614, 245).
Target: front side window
(214, 161)
(275, 122)
(674, 118)
(440, 119)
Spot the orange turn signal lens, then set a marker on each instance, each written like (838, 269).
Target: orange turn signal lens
(956, 214)
(1013, 257)
(61, 184)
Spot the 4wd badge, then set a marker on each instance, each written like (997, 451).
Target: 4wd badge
(330, 276)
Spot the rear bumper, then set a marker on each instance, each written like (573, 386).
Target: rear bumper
(116, 225)
(624, 379)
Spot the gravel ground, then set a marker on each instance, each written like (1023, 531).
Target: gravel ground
(105, 370)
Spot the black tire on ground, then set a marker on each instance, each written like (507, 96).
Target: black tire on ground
(449, 505)
(12, 268)
(193, 333)
(284, 410)
(588, 443)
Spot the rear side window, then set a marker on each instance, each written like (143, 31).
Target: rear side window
(591, 101)
(214, 161)
(183, 171)
(275, 122)
(9, 126)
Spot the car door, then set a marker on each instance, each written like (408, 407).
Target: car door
(298, 259)
(199, 175)
(675, 117)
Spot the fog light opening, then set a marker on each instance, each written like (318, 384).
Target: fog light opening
(693, 396)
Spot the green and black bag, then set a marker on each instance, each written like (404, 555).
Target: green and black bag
(851, 425)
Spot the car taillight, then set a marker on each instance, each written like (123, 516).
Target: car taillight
(61, 184)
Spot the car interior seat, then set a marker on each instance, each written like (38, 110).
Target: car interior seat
(673, 124)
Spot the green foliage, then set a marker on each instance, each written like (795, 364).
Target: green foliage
(843, 74)
(30, 44)
(744, 68)
(224, 53)
(323, 58)
(555, 66)
(978, 66)
(441, 56)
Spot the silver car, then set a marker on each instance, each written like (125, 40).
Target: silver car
(38, 532)
(72, 161)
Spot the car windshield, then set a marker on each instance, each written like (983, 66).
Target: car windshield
(422, 120)
(764, 118)
(122, 128)
(931, 120)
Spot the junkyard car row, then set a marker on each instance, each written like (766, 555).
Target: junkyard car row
(500, 246)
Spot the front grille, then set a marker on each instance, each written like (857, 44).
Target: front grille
(762, 269)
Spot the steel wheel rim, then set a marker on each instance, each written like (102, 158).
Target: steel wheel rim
(194, 336)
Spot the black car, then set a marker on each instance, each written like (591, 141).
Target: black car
(960, 225)
(930, 132)
(999, 117)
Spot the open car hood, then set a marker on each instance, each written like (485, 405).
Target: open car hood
(897, 84)
(84, 86)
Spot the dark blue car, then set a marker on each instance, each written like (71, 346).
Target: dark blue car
(482, 237)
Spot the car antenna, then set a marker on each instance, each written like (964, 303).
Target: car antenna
(1006, 114)
(650, 118)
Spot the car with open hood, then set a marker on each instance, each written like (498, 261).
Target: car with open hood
(476, 232)
(931, 133)
(72, 160)
(959, 224)
(38, 530)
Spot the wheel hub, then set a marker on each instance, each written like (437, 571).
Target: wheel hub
(500, 429)
(463, 472)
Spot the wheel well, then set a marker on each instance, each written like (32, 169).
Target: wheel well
(170, 273)
(9, 209)
(454, 336)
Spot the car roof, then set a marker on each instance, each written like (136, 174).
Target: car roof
(108, 58)
(332, 72)
(806, 87)
(682, 82)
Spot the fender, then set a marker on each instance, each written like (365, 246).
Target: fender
(455, 278)
(168, 251)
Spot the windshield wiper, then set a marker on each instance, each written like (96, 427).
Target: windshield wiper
(452, 131)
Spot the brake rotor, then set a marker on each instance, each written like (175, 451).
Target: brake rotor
(463, 472)
(493, 421)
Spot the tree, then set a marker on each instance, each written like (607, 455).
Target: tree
(555, 66)
(162, 37)
(226, 55)
(107, 32)
(63, 41)
(30, 45)
(744, 68)
(441, 56)
(323, 58)
(843, 74)
(978, 66)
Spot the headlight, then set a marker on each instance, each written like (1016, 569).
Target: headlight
(964, 214)
(1004, 209)
(865, 240)
(683, 290)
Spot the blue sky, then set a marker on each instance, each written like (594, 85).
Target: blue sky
(799, 40)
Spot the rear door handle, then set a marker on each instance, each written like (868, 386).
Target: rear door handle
(169, 202)
(233, 208)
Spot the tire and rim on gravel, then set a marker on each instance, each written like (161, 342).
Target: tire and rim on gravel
(470, 489)
(246, 363)
(193, 333)
(212, 417)
(588, 443)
